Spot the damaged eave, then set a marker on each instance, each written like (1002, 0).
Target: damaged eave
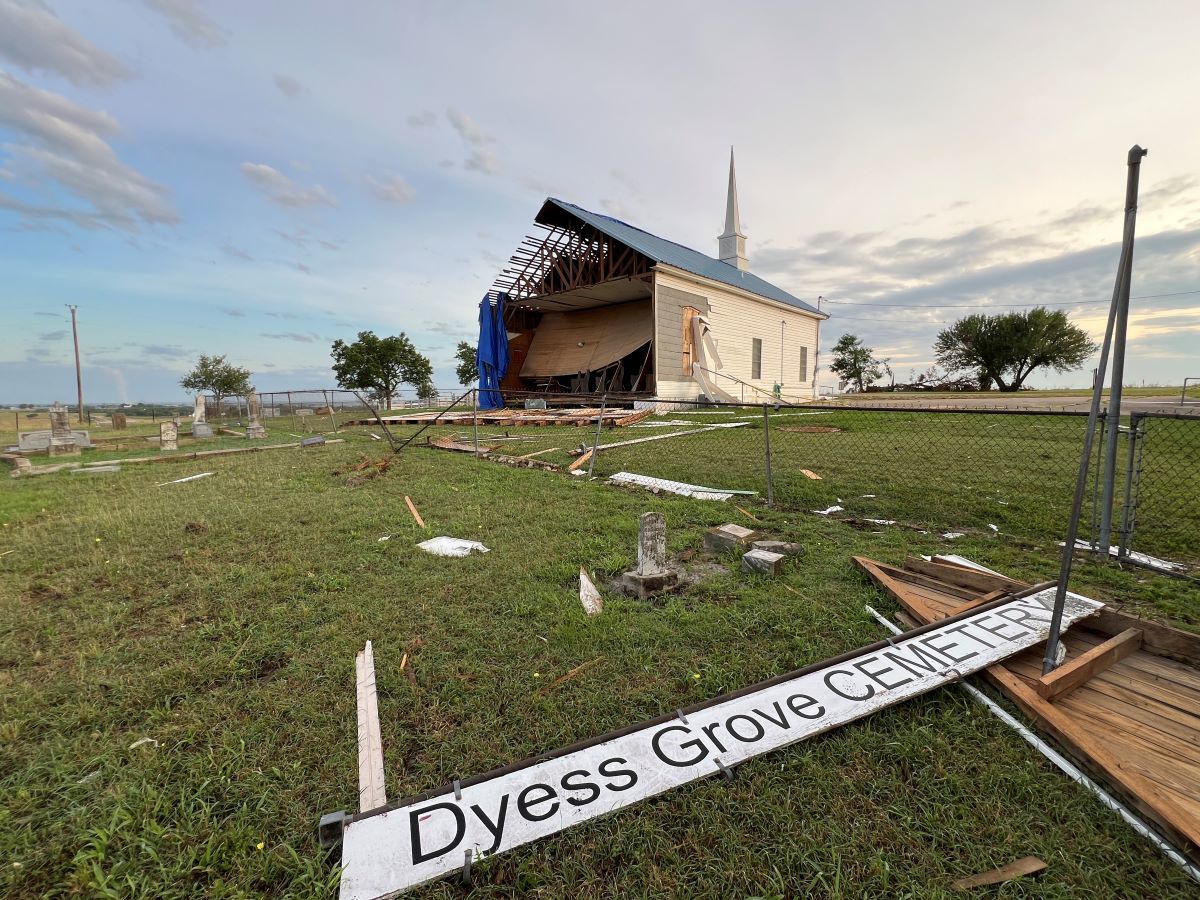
(711, 284)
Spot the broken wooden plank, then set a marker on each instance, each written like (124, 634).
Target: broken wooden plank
(449, 443)
(809, 473)
(579, 461)
(961, 576)
(413, 509)
(1159, 639)
(371, 790)
(563, 679)
(1026, 865)
(1076, 671)
(537, 453)
(663, 437)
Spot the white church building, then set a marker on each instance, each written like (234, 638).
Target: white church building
(596, 305)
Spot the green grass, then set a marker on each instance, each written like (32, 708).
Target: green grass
(221, 617)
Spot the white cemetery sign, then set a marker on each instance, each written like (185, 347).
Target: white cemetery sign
(419, 840)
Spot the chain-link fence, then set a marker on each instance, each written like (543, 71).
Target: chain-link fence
(933, 469)
(1162, 515)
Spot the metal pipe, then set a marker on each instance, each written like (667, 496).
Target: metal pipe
(1118, 360)
(1049, 661)
(1068, 768)
(596, 442)
(1135, 424)
(767, 444)
(475, 418)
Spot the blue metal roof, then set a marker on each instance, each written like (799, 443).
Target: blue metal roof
(681, 257)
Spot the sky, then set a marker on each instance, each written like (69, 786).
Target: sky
(259, 179)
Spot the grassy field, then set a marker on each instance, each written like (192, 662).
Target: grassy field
(220, 618)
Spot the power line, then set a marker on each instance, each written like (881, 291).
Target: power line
(1000, 305)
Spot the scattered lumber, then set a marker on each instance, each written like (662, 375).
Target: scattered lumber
(1026, 865)
(1126, 702)
(1075, 672)
(413, 509)
(371, 790)
(580, 460)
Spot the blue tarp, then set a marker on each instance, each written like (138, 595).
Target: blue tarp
(491, 356)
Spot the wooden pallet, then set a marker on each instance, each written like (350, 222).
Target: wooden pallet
(1125, 703)
(519, 417)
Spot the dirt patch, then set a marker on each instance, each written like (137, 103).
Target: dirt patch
(195, 528)
(809, 429)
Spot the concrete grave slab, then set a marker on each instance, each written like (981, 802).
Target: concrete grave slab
(763, 562)
(728, 537)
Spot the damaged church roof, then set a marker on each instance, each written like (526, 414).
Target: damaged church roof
(670, 253)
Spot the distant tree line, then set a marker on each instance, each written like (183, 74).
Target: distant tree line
(976, 353)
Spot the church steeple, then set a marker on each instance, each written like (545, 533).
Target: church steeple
(731, 246)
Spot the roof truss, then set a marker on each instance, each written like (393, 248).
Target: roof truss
(565, 256)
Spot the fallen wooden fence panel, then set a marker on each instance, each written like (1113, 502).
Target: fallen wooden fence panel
(420, 839)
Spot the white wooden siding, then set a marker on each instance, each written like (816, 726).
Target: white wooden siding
(736, 320)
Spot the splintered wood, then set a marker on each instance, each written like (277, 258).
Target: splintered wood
(371, 791)
(413, 509)
(1126, 701)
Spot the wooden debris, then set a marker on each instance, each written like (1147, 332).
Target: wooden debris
(413, 509)
(663, 437)
(1133, 723)
(563, 679)
(449, 443)
(809, 473)
(577, 416)
(579, 461)
(1027, 865)
(371, 789)
(752, 518)
(1075, 672)
(538, 453)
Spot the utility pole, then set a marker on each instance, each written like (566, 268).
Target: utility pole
(78, 372)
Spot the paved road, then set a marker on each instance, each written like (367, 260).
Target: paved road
(1169, 404)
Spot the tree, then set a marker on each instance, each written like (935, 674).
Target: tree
(380, 364)
(855, 363)
(221, 379)
(467, 370)
(1005, 348)
(427, 393)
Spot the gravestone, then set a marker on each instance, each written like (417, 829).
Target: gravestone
(32, 441)
(118, 419)
(651, 574)
(763, 562)
(62, 440)
(21, 466)
(168, 436)
(728, 537)
(254, 429)
(201, 430)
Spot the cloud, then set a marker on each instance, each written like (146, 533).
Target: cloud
(283, 315)
(234, 313)
(305, 338)
(35, 39)
(289, 85)
(66, 144)
(480, 158)
(280, 189)
(456, 330)
(189, 23)
(230, 250)
(301, 267)
(304, 240)
(616, 209)
(424, 119)
(53, 335)
(392, 188)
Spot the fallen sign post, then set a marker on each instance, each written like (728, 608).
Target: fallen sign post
(396, 847)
